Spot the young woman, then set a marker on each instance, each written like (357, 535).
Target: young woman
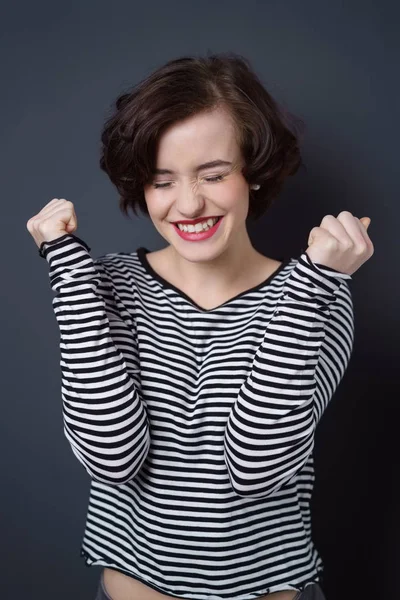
(194, 377)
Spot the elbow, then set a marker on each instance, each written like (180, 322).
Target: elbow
(256, 483)
(251, 489)
(114, 480)
(245, 482)
(120, 473)
(260, 488)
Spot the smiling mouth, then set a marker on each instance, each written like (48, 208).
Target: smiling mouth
(215, 222)
(218, 217)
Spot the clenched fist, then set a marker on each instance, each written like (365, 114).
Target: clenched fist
(342, 244)
(55, 219)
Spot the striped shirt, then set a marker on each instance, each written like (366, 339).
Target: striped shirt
(197, 426)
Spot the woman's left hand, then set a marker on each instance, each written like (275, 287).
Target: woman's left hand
(342, 244)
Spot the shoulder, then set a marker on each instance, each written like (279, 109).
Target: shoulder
(115, 260)
(119, 268)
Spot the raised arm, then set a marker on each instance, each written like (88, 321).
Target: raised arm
(305, 351)
(104, 416)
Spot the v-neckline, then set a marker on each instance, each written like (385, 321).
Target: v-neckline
(141, 254)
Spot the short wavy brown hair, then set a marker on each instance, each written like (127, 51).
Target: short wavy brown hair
(266, 133)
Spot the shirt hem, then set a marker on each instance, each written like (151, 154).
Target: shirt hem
(298, 587)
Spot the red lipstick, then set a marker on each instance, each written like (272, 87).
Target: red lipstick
(194, 221)
(192, 236)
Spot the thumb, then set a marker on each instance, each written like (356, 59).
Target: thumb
(365, 221)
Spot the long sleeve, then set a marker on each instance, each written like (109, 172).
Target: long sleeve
(104, 417)
(305, 351)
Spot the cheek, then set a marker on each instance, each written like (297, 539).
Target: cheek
(235, 195)
(154, 204)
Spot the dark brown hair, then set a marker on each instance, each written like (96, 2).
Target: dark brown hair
(182, 88)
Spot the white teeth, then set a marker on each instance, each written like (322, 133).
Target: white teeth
(203, 226)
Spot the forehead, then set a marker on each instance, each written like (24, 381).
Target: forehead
(198, 139)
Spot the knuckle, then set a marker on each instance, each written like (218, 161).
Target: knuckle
(31, 223)
(360, 250)
(42, 224)
(332, 242)
(348, 245)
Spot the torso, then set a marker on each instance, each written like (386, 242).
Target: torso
(118, 585)
(123, 587)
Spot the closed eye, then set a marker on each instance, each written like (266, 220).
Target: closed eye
(210, 179)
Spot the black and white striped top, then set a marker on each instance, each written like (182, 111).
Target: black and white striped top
(197, 426)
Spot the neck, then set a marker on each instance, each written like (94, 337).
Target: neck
(219, 273)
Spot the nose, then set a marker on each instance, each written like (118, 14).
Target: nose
(189, 200)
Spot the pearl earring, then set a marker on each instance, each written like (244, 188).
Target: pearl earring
(255, 186)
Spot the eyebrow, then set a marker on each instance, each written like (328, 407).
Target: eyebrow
(207, 165)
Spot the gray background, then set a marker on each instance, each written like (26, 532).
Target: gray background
(335, 65)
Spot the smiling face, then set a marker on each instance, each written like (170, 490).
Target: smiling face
(180, 191)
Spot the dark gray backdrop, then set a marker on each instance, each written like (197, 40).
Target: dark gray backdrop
(335, 65)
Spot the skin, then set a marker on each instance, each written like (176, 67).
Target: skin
(224, 262)
(215, 263)
(341, 243)
(219, 262)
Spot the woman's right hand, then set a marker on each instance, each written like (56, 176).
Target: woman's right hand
(55, 219)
